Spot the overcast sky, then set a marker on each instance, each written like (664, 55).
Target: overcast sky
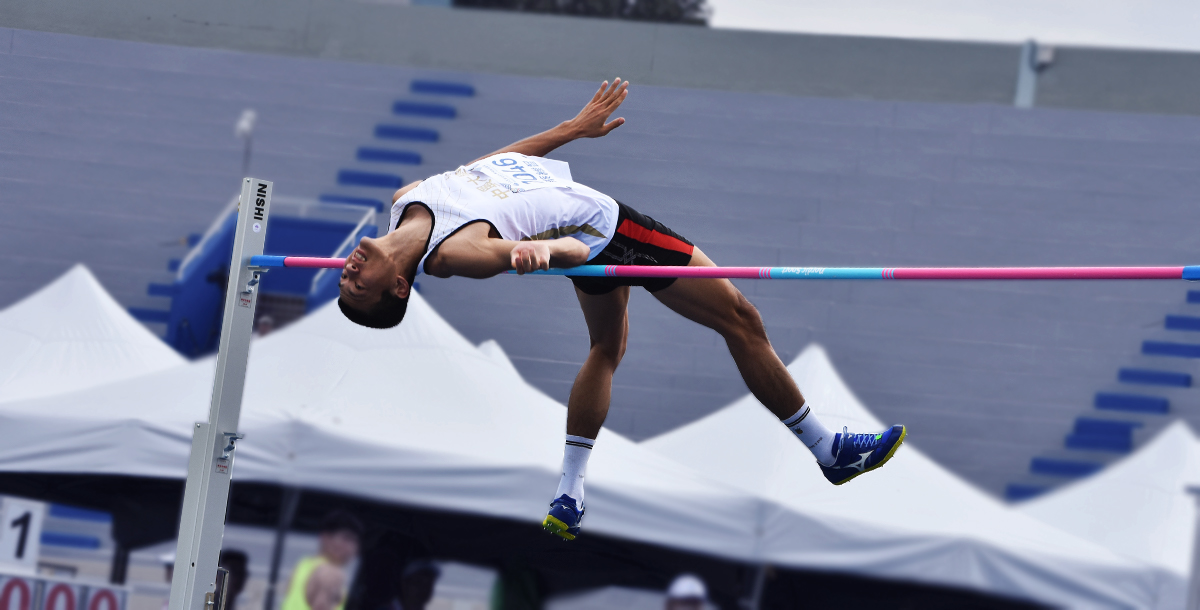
(1147, 24)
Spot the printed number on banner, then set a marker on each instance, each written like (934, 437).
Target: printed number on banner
(21, 533)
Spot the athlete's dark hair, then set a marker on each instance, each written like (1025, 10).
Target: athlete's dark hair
(339, 520)
(388, 312)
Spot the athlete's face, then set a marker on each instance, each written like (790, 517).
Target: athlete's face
(366, 274)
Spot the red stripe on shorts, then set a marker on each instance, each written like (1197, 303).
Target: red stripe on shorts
(636, 231)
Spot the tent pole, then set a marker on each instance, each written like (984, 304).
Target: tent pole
(287, 513)
(1193, 598)
(760, 581)
(206, 493)
(120, 564)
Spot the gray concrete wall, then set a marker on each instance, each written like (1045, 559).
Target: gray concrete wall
(110, 151)
(592, 49)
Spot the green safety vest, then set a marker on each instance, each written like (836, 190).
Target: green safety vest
(296, 599)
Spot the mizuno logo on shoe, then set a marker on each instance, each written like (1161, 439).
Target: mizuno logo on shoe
(861, 464)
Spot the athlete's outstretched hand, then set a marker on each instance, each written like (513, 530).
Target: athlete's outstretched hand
(590, 122)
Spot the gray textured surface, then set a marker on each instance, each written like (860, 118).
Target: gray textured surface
(110, 151)
(668, 55)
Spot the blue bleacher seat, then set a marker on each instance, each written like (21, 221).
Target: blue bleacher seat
(1063, 468)
(1151, 377)
(63, 511)
(385, 155)
(150, 315)
(436, 111)
(401, 132)
(162, 290)
(1132, 402)
(1099, 442)
(1183, 323)
(1168, 348)
(378, 204)
(1193, 296)
(435, 87)
(351, 177)
(75, 541)
(1016, 492)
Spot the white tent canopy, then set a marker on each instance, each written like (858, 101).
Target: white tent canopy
(419, 416)
(912, 520)
(415, 415)
(72, 335)
(1139, 506)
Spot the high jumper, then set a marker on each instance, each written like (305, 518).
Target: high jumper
(513, 210)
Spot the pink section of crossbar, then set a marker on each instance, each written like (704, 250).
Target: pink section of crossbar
(1036, 273)
(311, 262)
(750, 273)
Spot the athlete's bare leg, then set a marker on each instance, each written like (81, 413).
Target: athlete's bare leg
(608, 325)
(719, 305)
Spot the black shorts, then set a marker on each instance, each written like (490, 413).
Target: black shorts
(639, 240)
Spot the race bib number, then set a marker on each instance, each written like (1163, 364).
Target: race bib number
(517, 173)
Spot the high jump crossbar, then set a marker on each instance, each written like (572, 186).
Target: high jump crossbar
(1191, 272)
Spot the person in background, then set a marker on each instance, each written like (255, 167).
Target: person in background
(687, 592)
(238, 565)
(417, 582)
(168, 563)
(319, 582)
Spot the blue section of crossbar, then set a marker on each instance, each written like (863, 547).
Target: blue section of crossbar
(266, 260)
(1191, 272)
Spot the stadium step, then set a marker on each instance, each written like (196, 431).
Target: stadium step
(401, 132)
(1170, 348)
(1154, 377)
(435, 87)
(1016, 492)
(1175, 322)
(1063, 467)
(350, 177)
(1134, 403)
(1094, 434)
(384, 155)
(423, 109)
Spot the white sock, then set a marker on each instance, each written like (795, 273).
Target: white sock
(815, 436)
(575, 459)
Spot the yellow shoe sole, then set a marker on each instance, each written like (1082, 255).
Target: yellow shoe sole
(557, 527)
(903, 435)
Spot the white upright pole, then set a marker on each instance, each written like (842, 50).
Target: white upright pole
(206, 494)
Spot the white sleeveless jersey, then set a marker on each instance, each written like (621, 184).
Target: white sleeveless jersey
(524, 198)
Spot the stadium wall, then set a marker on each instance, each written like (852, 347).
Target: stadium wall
(113, 150)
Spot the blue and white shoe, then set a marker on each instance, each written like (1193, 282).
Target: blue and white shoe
(564, 518)
(859, 453)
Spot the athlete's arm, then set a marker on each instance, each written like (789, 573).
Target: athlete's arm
(473, 253)
(405, 189)
(589, 123)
